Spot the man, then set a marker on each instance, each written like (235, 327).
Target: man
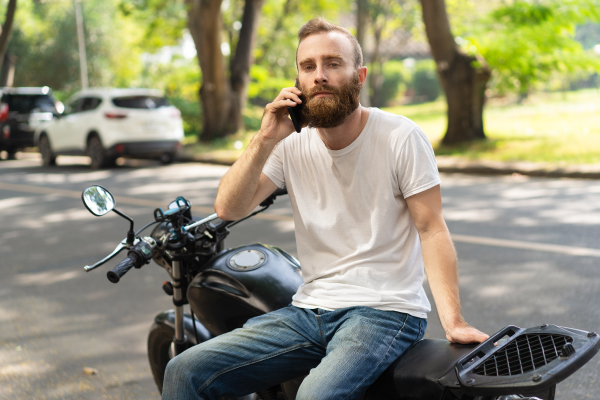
(365, 192)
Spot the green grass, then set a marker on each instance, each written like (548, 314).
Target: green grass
(561, 128)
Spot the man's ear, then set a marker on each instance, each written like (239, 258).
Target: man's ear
(362, 75)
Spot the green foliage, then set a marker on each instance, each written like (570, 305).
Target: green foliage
(275, 50)
(180, 79)
(525, 42)
(425, 83)
(161, 22)
(550, 127)
(45, 44)
(396, 78)
(264, 87)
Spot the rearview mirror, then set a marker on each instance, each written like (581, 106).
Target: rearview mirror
(98, 200)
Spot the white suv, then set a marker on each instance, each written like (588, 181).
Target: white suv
(109, 123)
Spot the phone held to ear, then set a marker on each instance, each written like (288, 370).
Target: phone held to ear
(296, 117)
(296, 114)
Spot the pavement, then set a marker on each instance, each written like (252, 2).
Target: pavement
(450, 164)
(446, 164)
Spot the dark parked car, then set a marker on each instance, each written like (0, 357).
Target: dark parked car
(22, 110)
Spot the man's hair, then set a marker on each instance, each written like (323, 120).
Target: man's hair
(320, 25)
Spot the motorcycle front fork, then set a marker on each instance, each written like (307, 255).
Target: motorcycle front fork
(179, 344)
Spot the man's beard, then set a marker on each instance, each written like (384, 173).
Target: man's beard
(331, 111)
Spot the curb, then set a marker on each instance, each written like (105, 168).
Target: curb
(448, 164)
(482, 167)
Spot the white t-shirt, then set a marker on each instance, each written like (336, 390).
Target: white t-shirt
(356, 241)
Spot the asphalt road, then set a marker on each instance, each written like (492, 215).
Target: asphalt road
(529, 254)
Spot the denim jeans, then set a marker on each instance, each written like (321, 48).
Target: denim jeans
(342, 351)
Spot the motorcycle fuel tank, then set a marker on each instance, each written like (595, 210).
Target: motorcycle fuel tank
(242, 283)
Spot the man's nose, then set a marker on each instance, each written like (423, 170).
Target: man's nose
(320, 78)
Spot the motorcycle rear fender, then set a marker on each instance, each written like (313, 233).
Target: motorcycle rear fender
(167, 318)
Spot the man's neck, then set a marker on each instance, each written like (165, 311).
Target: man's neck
(342, 136)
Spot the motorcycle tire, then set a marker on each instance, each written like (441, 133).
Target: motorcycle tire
(545, 395)
(159, 355)
(159, 351)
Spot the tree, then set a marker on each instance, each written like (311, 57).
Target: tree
(463, 76)
(45, 44)
(6, 32)
(526, 42)
(223, 97)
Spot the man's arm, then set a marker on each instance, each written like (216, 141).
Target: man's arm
(440, 261)
(244, 186)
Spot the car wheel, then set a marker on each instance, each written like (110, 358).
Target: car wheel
(48, 156)
(97, 154)
(167, 158)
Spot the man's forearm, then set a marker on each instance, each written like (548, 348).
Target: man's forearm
(440, 261)
(239, 185)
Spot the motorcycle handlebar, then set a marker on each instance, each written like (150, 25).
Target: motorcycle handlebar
(121, 269)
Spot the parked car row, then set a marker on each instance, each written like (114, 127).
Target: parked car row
(103, 124)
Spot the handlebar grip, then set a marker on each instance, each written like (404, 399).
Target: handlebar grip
(121, 269)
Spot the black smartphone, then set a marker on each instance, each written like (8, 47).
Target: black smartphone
(296, 113)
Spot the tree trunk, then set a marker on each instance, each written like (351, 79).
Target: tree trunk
(240, 66)
(205, 25)
(362, 21)
(6, 29)
(7, 74)
(463, 77)
(376, 80)
(222, 97)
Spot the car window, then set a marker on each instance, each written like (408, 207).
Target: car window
(22, 103)
(71, 106)
(45, 104)
(90, 103)
(142, 102)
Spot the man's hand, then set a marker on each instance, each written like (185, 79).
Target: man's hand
(276, 124)
(244, 186)
(465, 334)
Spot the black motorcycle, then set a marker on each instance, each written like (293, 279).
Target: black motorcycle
(226, 287)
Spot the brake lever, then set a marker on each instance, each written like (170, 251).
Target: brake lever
(117, 250)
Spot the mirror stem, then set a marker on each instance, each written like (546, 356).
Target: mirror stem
(131, 232)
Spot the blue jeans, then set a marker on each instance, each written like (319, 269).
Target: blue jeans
(342, 351)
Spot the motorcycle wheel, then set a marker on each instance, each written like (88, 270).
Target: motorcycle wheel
(159, 355)
(159, 351)
(545, 395)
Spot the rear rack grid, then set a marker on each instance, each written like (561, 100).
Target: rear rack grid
(526, 353)
(533, 359)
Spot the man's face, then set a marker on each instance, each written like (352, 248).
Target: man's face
(328, 79)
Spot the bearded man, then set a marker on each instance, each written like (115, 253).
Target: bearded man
(365, 193)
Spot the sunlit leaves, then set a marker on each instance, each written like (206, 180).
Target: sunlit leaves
(526, 42)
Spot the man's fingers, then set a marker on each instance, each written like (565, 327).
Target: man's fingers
(278, 105)
(467, 336)
(290, 93)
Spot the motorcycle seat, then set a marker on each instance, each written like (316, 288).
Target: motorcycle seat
(417, 373)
